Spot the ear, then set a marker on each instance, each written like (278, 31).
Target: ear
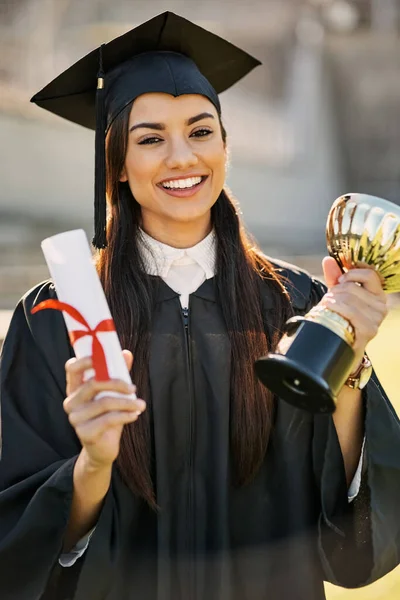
(123, 177)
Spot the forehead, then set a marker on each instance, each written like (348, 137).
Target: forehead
(158, 107)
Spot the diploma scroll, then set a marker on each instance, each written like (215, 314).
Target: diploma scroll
(83, 303)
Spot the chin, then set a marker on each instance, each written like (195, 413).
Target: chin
(186, 214)
(190, 216)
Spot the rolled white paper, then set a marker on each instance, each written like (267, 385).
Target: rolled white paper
(77, 283)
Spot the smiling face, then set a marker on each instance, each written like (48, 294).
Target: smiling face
(175, 160)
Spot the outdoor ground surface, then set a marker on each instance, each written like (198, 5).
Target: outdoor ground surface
(385, 355)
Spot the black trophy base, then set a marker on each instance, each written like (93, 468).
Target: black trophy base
(313, 369)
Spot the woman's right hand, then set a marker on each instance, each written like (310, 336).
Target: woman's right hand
(99, 424)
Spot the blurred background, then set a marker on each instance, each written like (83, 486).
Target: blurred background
(320, 118)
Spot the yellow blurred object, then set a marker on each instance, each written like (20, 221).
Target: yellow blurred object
(385, 356)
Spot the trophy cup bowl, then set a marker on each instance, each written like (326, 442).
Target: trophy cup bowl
(314, 357)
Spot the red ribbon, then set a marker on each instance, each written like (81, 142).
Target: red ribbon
(99, 358)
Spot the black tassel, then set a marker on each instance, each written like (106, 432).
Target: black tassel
(100, 203)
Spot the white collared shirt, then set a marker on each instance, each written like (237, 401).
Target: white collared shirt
(183, 270)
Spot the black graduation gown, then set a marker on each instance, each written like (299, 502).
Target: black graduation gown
(276, 538)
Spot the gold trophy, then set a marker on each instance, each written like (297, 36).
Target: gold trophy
(314, 358)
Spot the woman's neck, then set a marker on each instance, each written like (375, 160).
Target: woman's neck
(176, 234)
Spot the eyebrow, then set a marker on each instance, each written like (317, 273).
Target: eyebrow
(161, 126)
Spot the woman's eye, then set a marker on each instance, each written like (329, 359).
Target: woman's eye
(201, 133)
(151, 140)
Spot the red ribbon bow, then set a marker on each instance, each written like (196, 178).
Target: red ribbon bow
(99, 358)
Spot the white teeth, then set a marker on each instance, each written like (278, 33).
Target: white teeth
(182, 183)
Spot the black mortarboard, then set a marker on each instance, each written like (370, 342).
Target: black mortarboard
(166, 54)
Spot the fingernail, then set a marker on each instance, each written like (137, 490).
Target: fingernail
(141, 404)
(131, 387)
(341, 278)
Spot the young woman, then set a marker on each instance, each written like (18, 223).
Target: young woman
(211, 488)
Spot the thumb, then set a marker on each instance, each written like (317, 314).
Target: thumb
(332, 271)
(128, 356)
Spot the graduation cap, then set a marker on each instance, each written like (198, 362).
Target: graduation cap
(166, 54)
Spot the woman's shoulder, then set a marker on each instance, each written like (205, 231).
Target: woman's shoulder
(42, 291)
(22, 313)
(43, 333)
(304, 289)
(23, 320)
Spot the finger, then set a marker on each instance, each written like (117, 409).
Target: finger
(355, 294)
(86, 392)
(128, 356)
(104, 405)
(74, 370)
(89, 431)
(357, 307)
(332, 271)
(369, 278)
(365, 322)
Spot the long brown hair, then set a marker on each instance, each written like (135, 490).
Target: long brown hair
(240, 270)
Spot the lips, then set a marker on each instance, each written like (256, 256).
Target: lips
(182, 182)
(183, 187)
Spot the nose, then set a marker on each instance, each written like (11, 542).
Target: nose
(181, 155)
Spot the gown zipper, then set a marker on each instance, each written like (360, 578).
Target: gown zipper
(185, 314)
(190, 513)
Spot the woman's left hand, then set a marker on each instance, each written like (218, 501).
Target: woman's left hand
(364, 306)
